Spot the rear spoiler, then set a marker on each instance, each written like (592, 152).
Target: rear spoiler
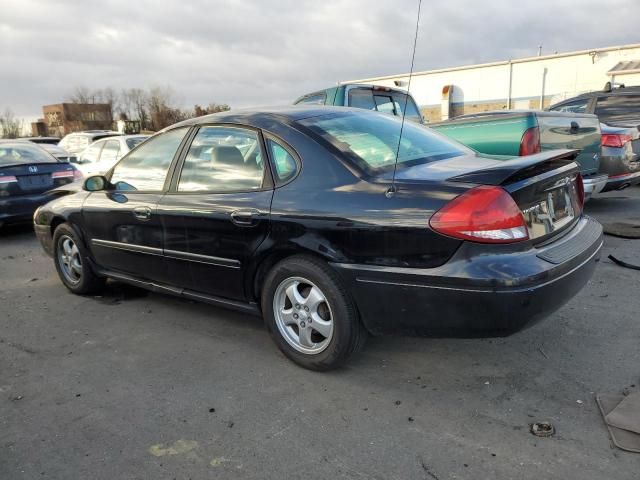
(519, 168)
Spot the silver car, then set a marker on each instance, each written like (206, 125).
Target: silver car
(76, 142)
(101, 155)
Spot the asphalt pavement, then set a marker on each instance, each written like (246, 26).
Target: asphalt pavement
(137, 385)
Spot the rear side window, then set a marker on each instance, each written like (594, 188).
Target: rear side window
(579, 106)
(110, 151)
(284, 163)
(371, 141)
(619, 109)
(146, 167)
(222, 159)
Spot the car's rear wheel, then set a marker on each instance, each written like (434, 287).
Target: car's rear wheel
(71, 260)
(310, 315)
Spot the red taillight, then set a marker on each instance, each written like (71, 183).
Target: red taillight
(530, 142)
(7, 179)
(64, 174)
(615, 140)
(580, 189)
(77, 175)
(483, 214)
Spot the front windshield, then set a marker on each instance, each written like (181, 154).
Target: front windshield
(21, 154)
(371, 140)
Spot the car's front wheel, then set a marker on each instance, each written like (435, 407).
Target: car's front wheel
(72, 263)
(310, 315)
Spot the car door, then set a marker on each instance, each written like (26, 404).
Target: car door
(216, 213)
(121, 226)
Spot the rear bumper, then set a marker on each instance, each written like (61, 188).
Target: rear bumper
(19, 209)
(622, 167)
(484, 290)
(594, 184)
(624, 180)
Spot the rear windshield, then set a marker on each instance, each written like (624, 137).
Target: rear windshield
(134, 141)
(371, 140)
(623, 110)
(15, 154)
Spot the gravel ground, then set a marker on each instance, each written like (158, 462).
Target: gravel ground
(136, 385)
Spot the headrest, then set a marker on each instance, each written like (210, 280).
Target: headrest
(226, 155)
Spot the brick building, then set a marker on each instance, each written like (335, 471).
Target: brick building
(63, 118)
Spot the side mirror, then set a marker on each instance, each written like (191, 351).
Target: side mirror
(95, 183)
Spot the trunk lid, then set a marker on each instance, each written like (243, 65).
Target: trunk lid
(34, 178)
(545, 186)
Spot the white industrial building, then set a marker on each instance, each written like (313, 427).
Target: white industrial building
(520, 83)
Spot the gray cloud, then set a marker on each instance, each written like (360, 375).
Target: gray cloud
(267, 52)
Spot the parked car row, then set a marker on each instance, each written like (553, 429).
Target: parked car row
(608, 152)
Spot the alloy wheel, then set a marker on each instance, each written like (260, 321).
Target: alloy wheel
(303, 315)
(69, 259)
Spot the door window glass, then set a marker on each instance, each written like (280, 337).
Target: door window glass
(222, 159)
(412, 112)
(91, 154)
(285, 165)
(110, 151)
(146, 167)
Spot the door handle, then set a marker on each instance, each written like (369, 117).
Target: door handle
(245, 218)
(142, 213)
(575, 128)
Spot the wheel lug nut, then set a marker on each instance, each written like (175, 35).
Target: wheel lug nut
(297, 306)
(306, 309)
(302, 324)
(295, 315)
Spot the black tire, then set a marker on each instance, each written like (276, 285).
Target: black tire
(87, 281)
(348, 334)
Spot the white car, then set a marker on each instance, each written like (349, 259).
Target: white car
(76, 142)
(101, 155)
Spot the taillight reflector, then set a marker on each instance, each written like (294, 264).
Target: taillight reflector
(485, 214)
(7, 179)
(64, 174)
(615, 140)
(530, 142)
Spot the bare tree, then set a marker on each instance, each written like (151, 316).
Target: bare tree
(10, 126)
(162, 111)
(81, 94)
(211, 108)
(109, 96)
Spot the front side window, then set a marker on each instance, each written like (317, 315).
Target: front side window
(579, 106)
(146, 168)
(223, 159)
(371, 141)
(412, 113)
(384, 104)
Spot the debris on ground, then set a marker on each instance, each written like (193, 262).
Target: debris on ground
(622, 416)
(542, 429)
(624, 264)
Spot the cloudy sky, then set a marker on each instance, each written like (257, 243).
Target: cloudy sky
(271, 51)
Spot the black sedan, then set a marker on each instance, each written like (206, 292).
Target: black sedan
(27, 173)
(293, 213)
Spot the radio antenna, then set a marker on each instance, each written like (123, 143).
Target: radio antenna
(392, 189)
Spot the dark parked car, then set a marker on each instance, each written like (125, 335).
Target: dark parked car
(289, 213)
(27, 172)
(618, 110)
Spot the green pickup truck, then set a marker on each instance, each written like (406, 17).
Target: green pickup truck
(511, 133)
(369, 97)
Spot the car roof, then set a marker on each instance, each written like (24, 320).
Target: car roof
(258, 116)
(621, 91)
